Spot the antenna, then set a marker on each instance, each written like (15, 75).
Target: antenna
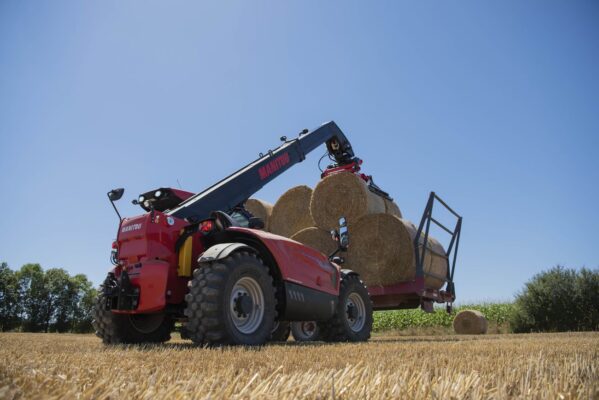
(178, 183)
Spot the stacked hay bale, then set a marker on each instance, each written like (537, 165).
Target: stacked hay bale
(381, 242)
(382, 251)
(343, 195)
(470, 322)
(316, 238)
(291, 213)
(261, 209)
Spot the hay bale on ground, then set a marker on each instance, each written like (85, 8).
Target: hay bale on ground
(291, 213)
(381, 250)
(470, 322)
(316, 238)
(392, 208)
(261, 209)
(343, 194)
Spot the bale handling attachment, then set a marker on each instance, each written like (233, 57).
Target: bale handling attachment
(412, 294)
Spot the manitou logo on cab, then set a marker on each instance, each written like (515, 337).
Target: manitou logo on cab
(130, 228)
(273, 166)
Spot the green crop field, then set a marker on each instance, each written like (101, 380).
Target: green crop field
(497, 314)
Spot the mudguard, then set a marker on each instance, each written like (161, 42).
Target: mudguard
(291, 260)
(223, 250)
(348, 272)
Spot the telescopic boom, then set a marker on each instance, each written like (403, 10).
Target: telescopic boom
(242, 184)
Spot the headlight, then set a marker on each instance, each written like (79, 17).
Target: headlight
(157, 193)
(147, 203)
(140, 199)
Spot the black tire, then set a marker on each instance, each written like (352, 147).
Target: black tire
(280, 332)
(130, 328)
(352, 321)
(305, 331)
(216, 309)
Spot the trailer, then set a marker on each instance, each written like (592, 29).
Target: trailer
(414, 293)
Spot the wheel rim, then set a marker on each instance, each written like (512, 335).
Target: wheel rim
(308, 329)
(146, 323)
(355, 312)
(247, 305)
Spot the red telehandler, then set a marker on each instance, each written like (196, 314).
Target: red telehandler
(202, 259)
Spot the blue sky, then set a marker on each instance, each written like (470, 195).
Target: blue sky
(493, 105)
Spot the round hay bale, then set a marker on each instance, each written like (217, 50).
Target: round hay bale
(316, 238)
(435, 264)
(291, 213)
(343, 194)
(435, 261)
(380, 249)
(470, 322)
(261, 209)
(392, 208)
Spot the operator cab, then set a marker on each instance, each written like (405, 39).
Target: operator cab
(161, 199)
(245, 219)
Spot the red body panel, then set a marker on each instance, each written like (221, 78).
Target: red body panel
(152, 278)
(146, 246)
(298, 263)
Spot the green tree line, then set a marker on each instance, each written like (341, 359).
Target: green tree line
(34, 300)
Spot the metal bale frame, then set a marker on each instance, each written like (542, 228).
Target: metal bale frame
(414, 293)
(447, 295)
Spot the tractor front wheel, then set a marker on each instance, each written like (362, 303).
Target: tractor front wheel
(231, 301)
(130, 328)
(352, 321)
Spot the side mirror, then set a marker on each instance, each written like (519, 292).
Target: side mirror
(116, 194)
(343, 234)
(255, 223)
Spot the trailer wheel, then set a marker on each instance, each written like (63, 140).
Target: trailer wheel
(305, 331)
(352, 321)
(130, 328)
(280, 332)
(231, 301)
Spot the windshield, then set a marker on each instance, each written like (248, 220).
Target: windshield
(241, 217)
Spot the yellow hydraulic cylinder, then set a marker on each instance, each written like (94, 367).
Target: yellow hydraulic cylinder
(185, 253)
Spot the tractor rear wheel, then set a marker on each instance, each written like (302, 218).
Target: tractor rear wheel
(130, 328)
(280, 332)
(352, 321)
(305, 331)
(231, 301)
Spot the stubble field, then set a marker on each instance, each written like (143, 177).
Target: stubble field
(545, 366)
